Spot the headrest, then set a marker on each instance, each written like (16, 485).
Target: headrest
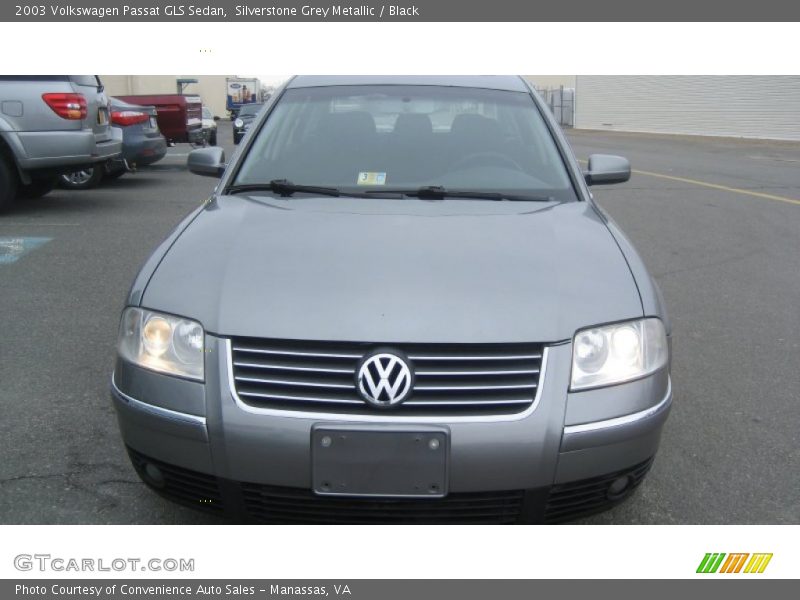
(410, 125)
(475, 127)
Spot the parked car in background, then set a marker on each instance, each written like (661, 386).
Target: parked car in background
(50, 124)
(400, 304)
(142, 145)
(241, 124)
(210, 126)
(180, 116)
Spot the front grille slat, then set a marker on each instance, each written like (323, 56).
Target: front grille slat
(473, 373)
(467, 403)
(295, 353)
(469, 388)
(367, 505)
(295, 398)
(355, 509)
(482, 356)
(279, 367)
(449, 378)
(273, 504)
(296, 382)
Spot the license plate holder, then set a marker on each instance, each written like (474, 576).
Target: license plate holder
(395, 461)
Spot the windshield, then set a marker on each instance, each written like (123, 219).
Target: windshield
(207, 113)
(406, 137)
(249, 110)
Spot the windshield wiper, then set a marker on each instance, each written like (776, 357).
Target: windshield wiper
(282, 187)
(437, 192)
(286, 188)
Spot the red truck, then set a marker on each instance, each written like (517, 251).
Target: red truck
(180, 116)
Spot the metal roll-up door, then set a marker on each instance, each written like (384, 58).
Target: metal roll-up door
(719, 105)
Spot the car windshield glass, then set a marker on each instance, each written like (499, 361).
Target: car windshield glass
(249, 110)
(207, 113)
(407, 137)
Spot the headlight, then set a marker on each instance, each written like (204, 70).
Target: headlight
(162, 342)
(238, 123)
(616, 353)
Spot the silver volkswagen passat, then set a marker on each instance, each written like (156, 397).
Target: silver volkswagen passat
(400, 304)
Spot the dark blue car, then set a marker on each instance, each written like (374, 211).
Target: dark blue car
(142, 144)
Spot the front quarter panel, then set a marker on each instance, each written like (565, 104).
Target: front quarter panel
(137, 289)
(652, 299)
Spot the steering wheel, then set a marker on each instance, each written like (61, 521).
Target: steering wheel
(491, 156)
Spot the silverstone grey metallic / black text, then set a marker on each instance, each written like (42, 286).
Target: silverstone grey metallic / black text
(400, 304)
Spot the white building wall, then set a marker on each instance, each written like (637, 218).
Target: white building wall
(737, 106)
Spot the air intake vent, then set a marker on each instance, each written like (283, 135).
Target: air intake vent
(270, 504)
(571, 500)
(194, 489)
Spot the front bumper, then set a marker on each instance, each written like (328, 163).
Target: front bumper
(554, 461)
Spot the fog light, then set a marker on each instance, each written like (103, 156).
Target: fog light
(154, 475)
(619, 487)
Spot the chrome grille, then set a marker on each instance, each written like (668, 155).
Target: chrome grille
(320, 376)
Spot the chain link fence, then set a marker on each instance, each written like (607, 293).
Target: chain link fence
(561, 101)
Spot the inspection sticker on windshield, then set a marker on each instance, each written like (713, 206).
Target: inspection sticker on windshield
(369, 178)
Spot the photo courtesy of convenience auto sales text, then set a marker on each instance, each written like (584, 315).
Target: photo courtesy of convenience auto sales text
(132, 589)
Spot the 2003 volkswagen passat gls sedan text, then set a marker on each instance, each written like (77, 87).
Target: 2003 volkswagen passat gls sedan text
(400, 304)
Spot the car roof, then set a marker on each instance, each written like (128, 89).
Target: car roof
(493, 82)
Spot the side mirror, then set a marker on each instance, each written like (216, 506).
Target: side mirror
(607, 168)
(216, 117)
(207, 161)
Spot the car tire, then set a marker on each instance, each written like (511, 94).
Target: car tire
(212, 141)
(37, 188)
(8, 184)
(85, 179)
(236, 139)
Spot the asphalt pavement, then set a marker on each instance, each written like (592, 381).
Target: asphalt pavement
(717, 222)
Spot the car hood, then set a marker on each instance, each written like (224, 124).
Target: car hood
(395, 270)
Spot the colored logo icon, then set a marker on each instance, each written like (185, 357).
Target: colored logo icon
(719, 562)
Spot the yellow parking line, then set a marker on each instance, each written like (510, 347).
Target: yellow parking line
(716, 186)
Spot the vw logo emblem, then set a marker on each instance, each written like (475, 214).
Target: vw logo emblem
(384, 379)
